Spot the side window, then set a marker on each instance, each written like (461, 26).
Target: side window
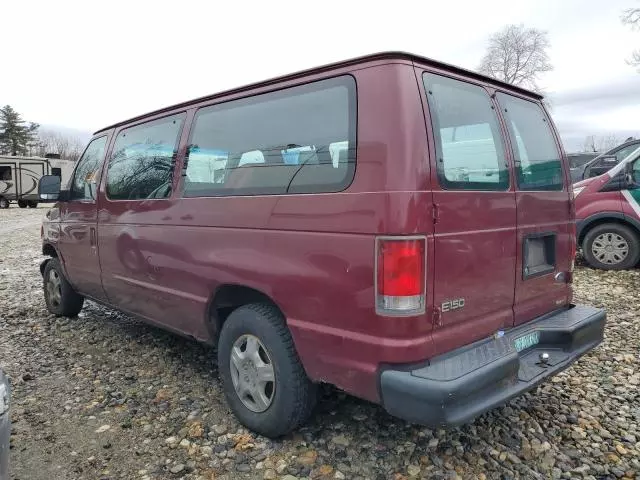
(142, 160)
(636, 172)
(626, 151)
(538, 165)
(83, 186)
(469, 145)
(296, 140)
(5, 172)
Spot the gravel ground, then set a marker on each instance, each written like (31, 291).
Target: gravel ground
(103, 396)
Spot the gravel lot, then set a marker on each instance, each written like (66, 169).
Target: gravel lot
(107, 397)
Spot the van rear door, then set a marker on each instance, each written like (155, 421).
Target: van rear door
(475, 228)
(544, 212)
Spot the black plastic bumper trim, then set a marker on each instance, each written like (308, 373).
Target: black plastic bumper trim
(456, 387)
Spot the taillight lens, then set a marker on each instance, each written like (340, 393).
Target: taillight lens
(400, 276)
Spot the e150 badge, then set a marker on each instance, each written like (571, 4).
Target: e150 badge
(451, 305)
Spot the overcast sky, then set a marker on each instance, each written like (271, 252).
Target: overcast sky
(83, 65)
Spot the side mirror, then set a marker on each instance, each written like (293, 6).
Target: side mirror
(49, 188)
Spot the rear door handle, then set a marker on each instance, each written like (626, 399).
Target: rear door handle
(92, 236)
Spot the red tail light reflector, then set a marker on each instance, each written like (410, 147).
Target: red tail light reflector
(400, 275)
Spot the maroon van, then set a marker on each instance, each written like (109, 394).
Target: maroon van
(394, 226)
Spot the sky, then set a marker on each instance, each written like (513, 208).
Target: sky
(80, 66)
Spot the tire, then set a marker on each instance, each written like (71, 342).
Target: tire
(22, 203)
(61, 300)
(616, 236)
(32, 204)
(292, 396)
(4, 203)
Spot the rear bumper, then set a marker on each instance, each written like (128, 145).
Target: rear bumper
(457, 387)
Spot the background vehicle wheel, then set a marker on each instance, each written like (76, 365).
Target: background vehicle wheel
(263, 379)
(4, 203)
(22, 203)
(61, 299)
(32, 204)
(611, 246)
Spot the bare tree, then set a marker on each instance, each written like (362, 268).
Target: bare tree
(601, 143)
(68, 147)
(631, 17)
(517, 55)
(590, 144)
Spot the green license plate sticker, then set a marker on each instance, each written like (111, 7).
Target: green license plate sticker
(526, 341)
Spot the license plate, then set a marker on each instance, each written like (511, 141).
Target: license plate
(526, 341)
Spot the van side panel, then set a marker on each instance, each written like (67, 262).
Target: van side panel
(337, 333)
(313, 254)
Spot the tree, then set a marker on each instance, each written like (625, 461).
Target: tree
(602, 143)
(631, 16)
(517, 55)
(69, 147)
(16, 136)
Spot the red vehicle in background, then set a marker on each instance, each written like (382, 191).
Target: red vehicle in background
(608, 215)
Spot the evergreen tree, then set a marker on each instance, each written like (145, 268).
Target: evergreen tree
(16, 136)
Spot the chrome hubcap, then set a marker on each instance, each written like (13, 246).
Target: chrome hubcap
(252, 373)
(54, 289)
(610, 248)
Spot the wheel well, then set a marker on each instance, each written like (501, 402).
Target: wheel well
(47, 249)
(229, 297)
(602, 221)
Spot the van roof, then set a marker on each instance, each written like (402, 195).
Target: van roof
(354, 61)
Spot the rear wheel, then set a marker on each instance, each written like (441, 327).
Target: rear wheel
(4, 203)
(263, 379)
(22, 203)
(32, 204)
(611, 246)
(61, 299)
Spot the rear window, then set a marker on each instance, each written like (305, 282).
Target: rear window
(538, 164)
(469, 144)
(297, 140)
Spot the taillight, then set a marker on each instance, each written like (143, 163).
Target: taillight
(400, 276)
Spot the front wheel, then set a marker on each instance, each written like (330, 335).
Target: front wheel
(263, 379)
(611, 246)
(61, 299)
